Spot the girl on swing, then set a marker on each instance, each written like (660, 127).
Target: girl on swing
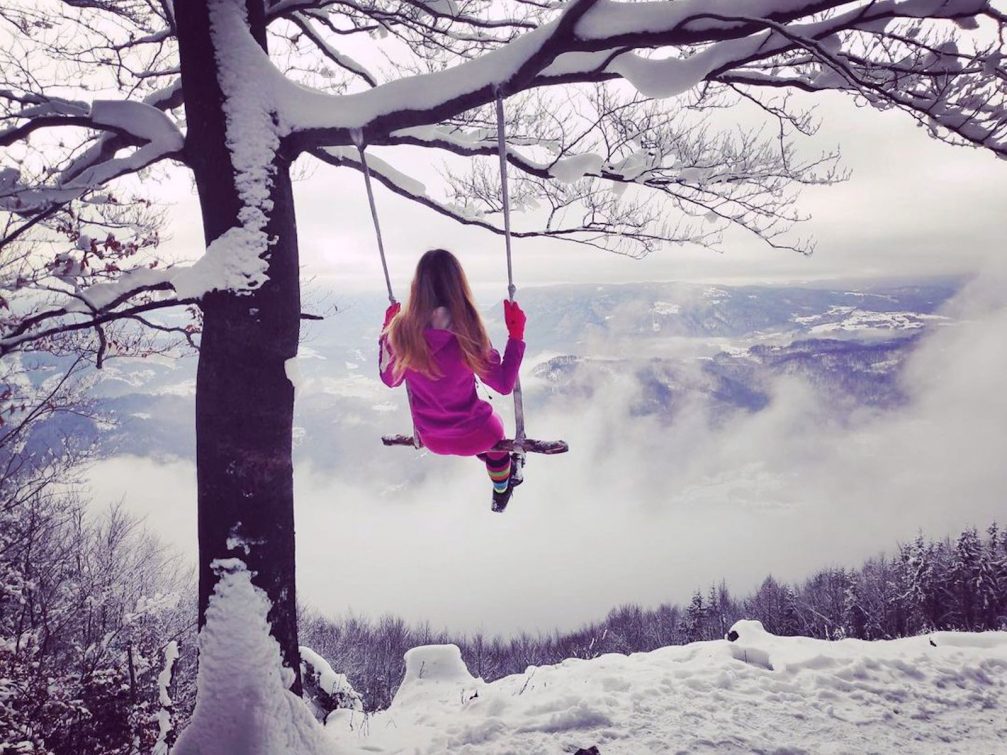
(438, 345)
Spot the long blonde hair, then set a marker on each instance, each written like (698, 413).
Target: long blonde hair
(439, 282)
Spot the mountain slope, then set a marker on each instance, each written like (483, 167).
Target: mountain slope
(680, 343)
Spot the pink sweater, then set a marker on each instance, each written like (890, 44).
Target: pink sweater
(448, 415)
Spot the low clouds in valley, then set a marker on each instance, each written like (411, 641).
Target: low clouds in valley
(644, 509)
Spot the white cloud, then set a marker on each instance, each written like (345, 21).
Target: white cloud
(638, 512)
(642, 512)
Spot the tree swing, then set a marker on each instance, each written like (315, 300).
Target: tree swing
(520, 444)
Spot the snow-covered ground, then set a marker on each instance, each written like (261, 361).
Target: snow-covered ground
(756, 692)
(945, 692)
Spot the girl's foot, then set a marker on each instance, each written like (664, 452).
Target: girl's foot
(501, 499)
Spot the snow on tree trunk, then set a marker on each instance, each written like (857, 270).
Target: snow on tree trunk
(244, 401)
(165, 715)
(243, 703)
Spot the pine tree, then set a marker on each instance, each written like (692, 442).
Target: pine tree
(930, 611)
(854, 616)
(695, 616)
(990, 585)
(965, 579)
(874, 590)
(901, 601)
(790, 618)
(715, 619)
(727, 611)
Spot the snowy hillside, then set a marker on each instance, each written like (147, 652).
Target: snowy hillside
(942, 693)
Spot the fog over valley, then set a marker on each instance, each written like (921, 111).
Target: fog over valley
(715, 432)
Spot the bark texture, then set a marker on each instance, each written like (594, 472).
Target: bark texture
(244, 401)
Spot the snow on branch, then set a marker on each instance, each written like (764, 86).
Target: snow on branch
(50, 324)
(151, 131)
(592, 41)
(85, 298)
(876, 49)
(166, 707)
(958, 96)
(318, 119)
(108, 143)
(421, 18)
(603, 149)
(227, 264)
(143, 122)
(401, 184)
(604, 220)
(465, 212)
(341, 59)
(63, 279)
(466, 144)
(611, 24)
(588, 184)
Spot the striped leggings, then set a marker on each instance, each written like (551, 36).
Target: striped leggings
(498, 465)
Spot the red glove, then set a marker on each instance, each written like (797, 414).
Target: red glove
(515, 319)
(393, 309)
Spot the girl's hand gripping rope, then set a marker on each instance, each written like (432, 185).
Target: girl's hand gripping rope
(515, 318)
(393, 309)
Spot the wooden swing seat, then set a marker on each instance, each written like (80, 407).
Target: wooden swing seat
(529, 445)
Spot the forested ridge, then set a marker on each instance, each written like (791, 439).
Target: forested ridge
(927, 585)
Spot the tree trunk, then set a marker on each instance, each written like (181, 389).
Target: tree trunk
(244, 401)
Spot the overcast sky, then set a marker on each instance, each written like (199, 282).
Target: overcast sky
(635, 513)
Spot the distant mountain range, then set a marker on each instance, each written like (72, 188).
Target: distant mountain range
(679, 343)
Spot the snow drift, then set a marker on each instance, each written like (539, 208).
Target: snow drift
(939, 693)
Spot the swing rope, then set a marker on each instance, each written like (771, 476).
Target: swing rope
(505, 192)
(519, 432)
(358, 140)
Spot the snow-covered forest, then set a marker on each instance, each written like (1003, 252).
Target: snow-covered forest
(923, 587)
(92, 613)
(627, 129)
(100, 649)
